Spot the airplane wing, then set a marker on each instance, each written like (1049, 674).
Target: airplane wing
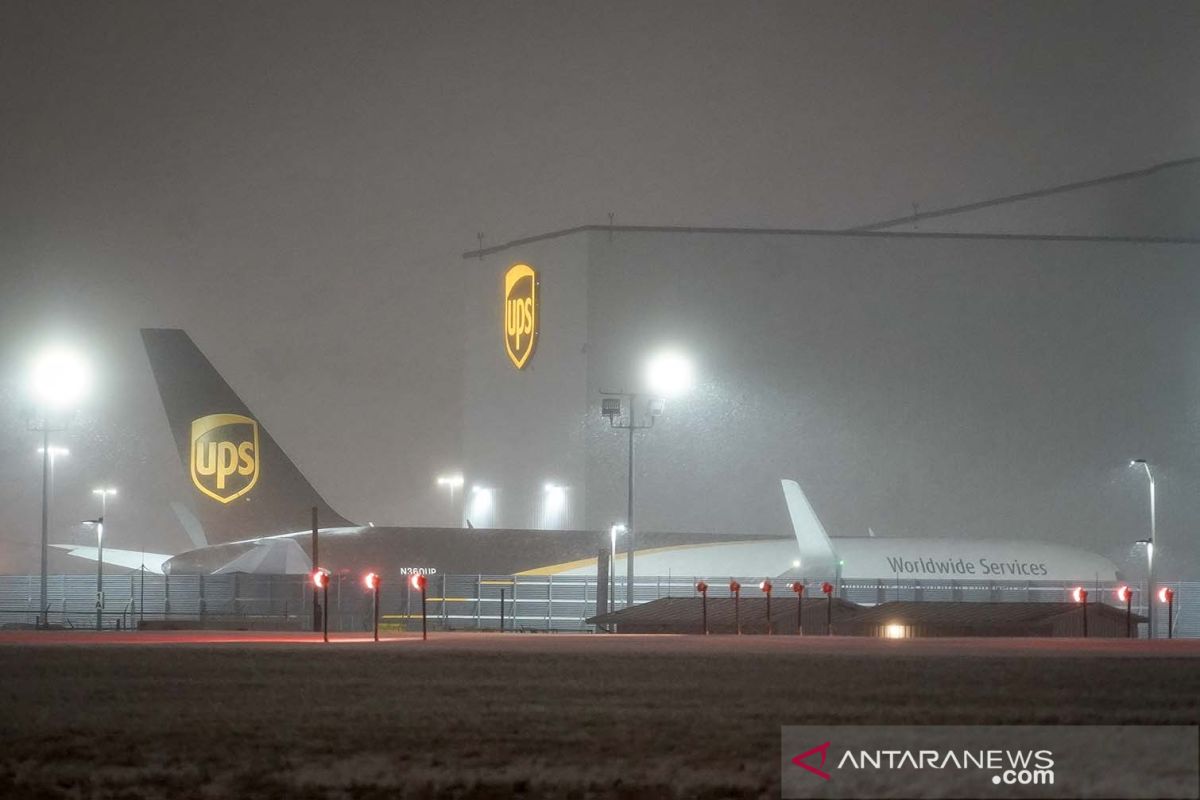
(131, 559)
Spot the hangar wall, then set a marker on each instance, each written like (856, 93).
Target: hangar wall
(523, 429)
(915, 384)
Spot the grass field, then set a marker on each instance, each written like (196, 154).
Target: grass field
(485, 716)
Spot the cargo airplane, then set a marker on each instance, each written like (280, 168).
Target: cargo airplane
(251, 512)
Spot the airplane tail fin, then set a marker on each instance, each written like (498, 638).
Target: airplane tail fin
(816, 550)
(243, 484)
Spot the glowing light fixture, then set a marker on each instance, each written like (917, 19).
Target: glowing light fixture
(669, 374)
(59, 379)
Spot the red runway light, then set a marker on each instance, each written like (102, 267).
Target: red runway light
(1166, 594)
(735, 587)
(1124, 593)
(701, 587)
(766, 586)
(827, 587)
(418, 581)
(1079, 594)
(320, 578)
(797, 587)
(371, 580)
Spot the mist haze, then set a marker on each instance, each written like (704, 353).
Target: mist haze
(295, 184)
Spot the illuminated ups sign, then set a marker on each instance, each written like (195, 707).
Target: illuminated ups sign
(521, 313)
(224, 455)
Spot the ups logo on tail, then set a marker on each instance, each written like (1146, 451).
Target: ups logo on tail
(520, 313)
(224, 462)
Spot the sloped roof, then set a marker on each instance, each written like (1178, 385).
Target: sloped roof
(1160, 200)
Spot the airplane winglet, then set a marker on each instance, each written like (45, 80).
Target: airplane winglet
(811, 538)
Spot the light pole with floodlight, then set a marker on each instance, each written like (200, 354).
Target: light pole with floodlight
(58, 379)
(98, 524)
(668, 374)
(613, 532)
(104, 493)
(1141, 462)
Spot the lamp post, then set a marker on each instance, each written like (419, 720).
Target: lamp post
(1141, 462)
(798, 588)
(320, 579)
(371, 581)
(420, 582)
(735, 589)
(766, 587)
(613, 532)
(827, 588)
(58, 379)
(1167, 595)
(98, 524)
(702, 588)
(49, 455)
(104, 493)
(452, 482)
(668, 374)
(1125, 595)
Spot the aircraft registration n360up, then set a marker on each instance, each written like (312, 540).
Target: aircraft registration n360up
(250, 511)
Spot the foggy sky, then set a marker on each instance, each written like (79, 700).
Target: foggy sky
(293, 183)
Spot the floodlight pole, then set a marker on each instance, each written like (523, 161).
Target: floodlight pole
(1129, 613)
(631, 426)
(100, 568)
(1141, 462)
(374, 581)
(44, 622)
(316, 565)
(42, 425)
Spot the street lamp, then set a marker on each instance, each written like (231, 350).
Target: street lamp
(320, 579)
(98, 524)
(613, 532)
(1080, 595)
(1125, 595)
(452, 482)
(766, 587)
(798, 588)
(104, 493)
(1141, 462)
(668, 374)
(1167, 595)
(371, 581)
(58, 379)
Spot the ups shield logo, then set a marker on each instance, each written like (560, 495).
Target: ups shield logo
(224, 462)
(520, 313)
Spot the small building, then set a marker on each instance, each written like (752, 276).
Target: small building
(894, 620)
(905, 619)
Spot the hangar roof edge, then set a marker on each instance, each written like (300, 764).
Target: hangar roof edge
(480, 253)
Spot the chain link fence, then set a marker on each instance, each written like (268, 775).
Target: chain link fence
(462, 602)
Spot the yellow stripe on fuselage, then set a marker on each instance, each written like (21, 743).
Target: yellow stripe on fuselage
(555, 569)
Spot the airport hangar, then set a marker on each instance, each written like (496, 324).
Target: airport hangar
(897, 369)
